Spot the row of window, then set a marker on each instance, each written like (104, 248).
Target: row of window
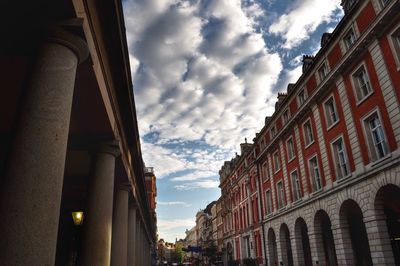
(378, 148)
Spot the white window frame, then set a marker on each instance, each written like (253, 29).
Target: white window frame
(290, 158)
(274, 156)
(394, 42)
(340, 158)
(305, 133)
(300, 101)
(296, 189)
(273, 132)
(384, 3)
(286, 116)
(369, 136)
(355, 79)
(264, 170)
(316, 183)
(268, 201)
(330, 113)
(323, 74)
(281, 194)
(353, 38)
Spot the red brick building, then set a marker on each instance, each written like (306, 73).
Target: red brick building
(321, 183)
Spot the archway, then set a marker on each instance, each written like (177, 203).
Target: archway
(302, 243)
(273, 252)
(286, 248)
(354, 234)
(324, 236)
(387, 204)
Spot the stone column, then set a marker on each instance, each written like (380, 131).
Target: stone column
(32, 187)
(297, 250)
(317, 247)
(98, 225)
(132, 243)
(138, 242)
(379, 241)
(119, 248)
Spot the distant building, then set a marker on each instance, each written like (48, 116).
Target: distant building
(320, 185)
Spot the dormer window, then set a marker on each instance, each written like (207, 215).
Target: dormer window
(348, 5)
(286, 116)
(273, 132)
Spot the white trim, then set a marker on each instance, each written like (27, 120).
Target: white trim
(306, 145)
(273, 161)
(287, 149)
(395, 48)
(366, 136)
(328, 127)
(360, 67)
(312, 174)
(332, 143)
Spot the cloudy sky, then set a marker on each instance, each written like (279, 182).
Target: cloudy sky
(206, 73)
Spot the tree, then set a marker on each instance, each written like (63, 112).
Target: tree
(179, 253)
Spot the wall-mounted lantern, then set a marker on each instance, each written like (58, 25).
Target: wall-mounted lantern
(77, 217)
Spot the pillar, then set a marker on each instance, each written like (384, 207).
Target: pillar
(379, 241)
(119, 244)
(297, 250)
(317, 247)
(98, 225)
(32, 187)
(138, 243)
(132, 235)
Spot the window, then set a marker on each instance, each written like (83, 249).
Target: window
(361, 84)
(281, 194)
(375, 137)
(340, 159)
(273, 132)
(308, 134)
(322, 71)
(286, 116)
(268, 200)
(290, 149)
(314, 172)
(277, 165)
(265, 170)
(301, 97)
(384, 2)
(330, 112)
(349, 39)
(295, 185)
(395, 45)
(262, 145)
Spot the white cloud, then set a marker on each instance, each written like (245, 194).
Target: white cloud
(303, 19)
(164, 225)
(173, 203)
(194, 176)
(198, 185)
(204, 72)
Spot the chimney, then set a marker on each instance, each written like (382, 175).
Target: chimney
(307, 62)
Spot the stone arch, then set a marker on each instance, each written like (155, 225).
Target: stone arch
(354, 236)
(325, 244)
(322, 205)
(302, 247)
(387, 220)
(391, 177)
(272, 248)
(285, 245)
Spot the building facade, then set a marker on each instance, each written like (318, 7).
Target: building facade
(324, 171)
(72, 184)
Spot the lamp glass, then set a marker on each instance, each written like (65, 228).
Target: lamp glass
(77, 217)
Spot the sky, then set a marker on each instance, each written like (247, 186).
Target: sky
(205, 74)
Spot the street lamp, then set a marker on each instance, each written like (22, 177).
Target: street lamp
(77, 217)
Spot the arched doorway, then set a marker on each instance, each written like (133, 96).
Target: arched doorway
(229, 252)
(324, 236)
(354, 233)
(273, 252)
(284, 238)
(302, 242)
(387, 204)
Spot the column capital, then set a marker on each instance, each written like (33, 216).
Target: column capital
(57, 33)
(110, 147)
